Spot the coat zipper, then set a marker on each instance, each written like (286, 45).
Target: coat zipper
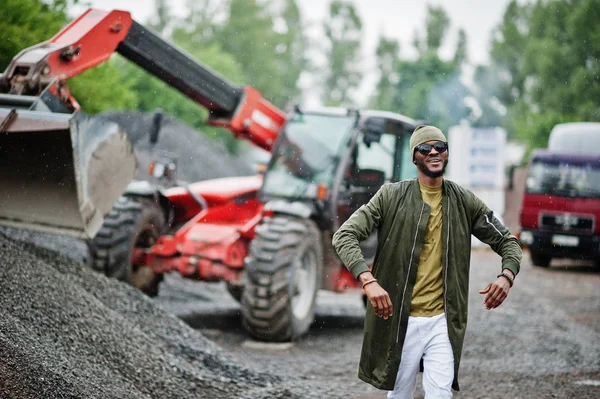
(408, 274)
(446, 271)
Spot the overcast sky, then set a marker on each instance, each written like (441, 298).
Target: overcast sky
(398, 19)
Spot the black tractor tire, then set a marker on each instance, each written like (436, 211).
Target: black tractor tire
(282, 276)
(132, 222)
(539, 260)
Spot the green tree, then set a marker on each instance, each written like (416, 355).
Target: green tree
(27, 22)
(388, 61)
(291, 51)
(437, 25)
(270, 58)
(343, 31)
(498, 86)
(508, 45)
(546, 57)
(428, 87)
(202, 21)
(103, 88)
(460, 56)
(486, 88)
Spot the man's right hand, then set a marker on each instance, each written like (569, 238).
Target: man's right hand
(378, 297)
(380, 300)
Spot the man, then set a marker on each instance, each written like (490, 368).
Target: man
(418, 287)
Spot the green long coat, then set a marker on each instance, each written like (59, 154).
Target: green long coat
(399, 215)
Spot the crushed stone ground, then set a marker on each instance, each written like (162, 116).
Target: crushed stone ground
(68, 332)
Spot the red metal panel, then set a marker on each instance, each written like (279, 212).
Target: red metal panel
(256, 120)
(216, 192)
(535, 204)
(96, 34)
(84, 43)
(211, 246)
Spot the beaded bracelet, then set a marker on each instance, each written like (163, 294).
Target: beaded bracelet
(368, 282)
(506, 276)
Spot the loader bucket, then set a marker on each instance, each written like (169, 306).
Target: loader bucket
(61, 172)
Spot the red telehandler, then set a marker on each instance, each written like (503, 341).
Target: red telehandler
(267, 236)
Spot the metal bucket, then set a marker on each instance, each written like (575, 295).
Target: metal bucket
(61, 172)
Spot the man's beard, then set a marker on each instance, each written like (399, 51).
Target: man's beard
(423, 168)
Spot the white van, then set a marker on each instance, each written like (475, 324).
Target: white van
(575, 138)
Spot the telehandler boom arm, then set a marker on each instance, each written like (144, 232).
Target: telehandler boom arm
(93, 37)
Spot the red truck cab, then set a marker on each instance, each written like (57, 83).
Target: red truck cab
(560, 214)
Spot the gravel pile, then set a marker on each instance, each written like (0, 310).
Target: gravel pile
(68, 332)
(198, 157)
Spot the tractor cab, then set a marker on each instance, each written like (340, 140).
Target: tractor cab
(307, 155)
(335, 160)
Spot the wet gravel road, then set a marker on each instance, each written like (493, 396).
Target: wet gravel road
(543, 342)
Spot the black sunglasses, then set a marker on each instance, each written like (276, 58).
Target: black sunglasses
(425, 149)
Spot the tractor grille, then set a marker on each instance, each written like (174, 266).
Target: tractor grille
(567, 222)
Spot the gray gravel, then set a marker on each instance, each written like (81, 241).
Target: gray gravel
(67, 332)
(198, 157)
(541, 343)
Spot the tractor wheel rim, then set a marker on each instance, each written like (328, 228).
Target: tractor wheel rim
(304, 285)
(142, 277)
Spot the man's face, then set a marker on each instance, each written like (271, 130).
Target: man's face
(434, 163)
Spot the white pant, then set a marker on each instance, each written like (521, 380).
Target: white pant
(427, 338)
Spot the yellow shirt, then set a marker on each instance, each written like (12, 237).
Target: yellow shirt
(428, 292)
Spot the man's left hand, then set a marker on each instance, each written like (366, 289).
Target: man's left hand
(496, 293)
